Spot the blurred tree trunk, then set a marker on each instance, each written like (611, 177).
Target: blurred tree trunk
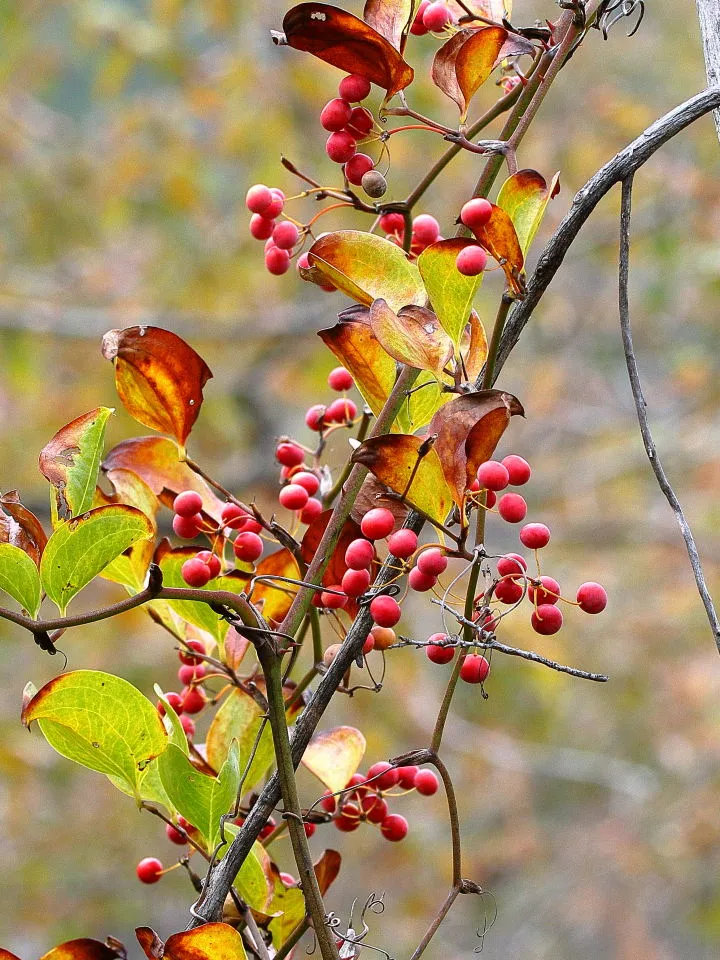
(709, 16)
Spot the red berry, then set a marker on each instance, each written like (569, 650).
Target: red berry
(490, 498)
(289, 454)
(328, 802)
(335, 114)
(250, 526)
(175, 701)
(437, 16)
(277, 261)
(212, 560)
(341, 146)
(359, 554)
(369, 644)
(348, 823)
(357, 166)
(518, 469)
(288, 879)
(248, 547)
(340, 379)
(187, 527)
(548, 592)
(418, 28)
(377, 523)
(385, 611)
(392, 223)
(302, 262)
(534, 536)
(512, 507)
(341, 410)
(233, 516)
(426, 782)
(193, 700)
(309, 829)
(315, 416)
(293, 496)
(492, 475)
(421, 582)
(511, 563)
(261, 227)
(276, 207)
(402, 543)
(433, 562)
(188, 658)
(592, 597)
(386, 774)
(258, 198)
(354, 87)
(311, 511)
(333, 601)
(407, 777)
(425, 229)
(437, 653)
(374, 807)
(285, 235)
(195, 573)
(360, 123)
(149, 870)
(471, 260)
(307, 480)
(174, 835)
(508, 590)
(383, 637)
(188, 726)
(267, 829)
(476, 213)
(355, 582)
(394, 827)
(187, 503)
(188, 673)
(546, 619)
(475, 668)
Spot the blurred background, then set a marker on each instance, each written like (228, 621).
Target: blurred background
(130, 131)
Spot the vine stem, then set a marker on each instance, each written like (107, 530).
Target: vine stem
(434, 926)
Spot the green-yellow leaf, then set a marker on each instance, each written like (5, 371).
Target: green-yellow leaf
(253, 882)
(131, 567)
(335, 755)
(82, 547)
(19, 577)
(451, 294)
(524, 197)
(101, 722)
(239, 719)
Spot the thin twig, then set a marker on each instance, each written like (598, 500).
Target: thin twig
(641, 408)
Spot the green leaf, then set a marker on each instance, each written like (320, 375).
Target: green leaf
(82, 547)
(131, 567)
(524, 197)
(239, 719)
(451, 294)
(253, 882)
(199, 798)
(291, 902)
(424, 403)
(19, 577)
(71, 462)
(101, 722)
(365, 267)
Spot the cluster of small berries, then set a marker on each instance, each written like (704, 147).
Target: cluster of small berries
(475, 214)
(266, 204)
(425, 231)
(440, 649)
(365, 798)
(348, 124)
(191, 699)
(494, 476)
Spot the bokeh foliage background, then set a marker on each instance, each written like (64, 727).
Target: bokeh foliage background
(129, 133)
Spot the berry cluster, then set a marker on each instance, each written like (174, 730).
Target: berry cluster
(425, 231)
(191, 700)
(347, 125)
(475, 214)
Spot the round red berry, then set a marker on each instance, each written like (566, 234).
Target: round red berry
(233, 516)
(492, 475)
(359, 554)
(392, 223)
(512, 564)
(377, 523)
(355, 582)
(276, 207)
(426, 782)
(187, 503)
(333, 601)
(309, 829)
(512, 507)
(149, 870)
(474, 669)
(476, 213)
(289, 454)
(258, 198)
(341, 146)
(187, 527)
(328, 802)
(360, 123)
(174, 835)
(546, 619)
(341, 410)
(385, 611)
(193, 700)
(425, 229)
(386, 774)
(407, 777)
(311, 511)
(384, 637)
(508, 590)
(175, 701)
(518, 469)
(188, 673)
(357, 166)
(374, 807)
(369, 644)
(591, 597)
(314, 418)
(277, 261)
(402, 543)
(335, 114)
(293, 496)
(547, 592)
(534, 536)
(418, 28)
(186, 657)
(437, 16)
(307, 480)
(195, 573)
(419, 581)
(354, 87)
(213, 562)
(248, 547)
(261, 227)
(188, 726)
(285, 235)
(340, 379)
(433, 562)
(471, 260)
(394, 827)
(436, 651)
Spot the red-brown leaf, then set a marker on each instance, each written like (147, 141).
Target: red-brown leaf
(346, 42)
(327, 868)
(20, 527)
(337, 566)
(83, 949)
(391, 19)
(465, 61)
(499, 238)
(158, 377)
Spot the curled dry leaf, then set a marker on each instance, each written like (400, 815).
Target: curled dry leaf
(20, 527)
(211, 941)
(413, 336)
(345, 41)
(474, 347)
(499, 238)
(158, 377)
(465, 61)
(468, 430)
(524, 197)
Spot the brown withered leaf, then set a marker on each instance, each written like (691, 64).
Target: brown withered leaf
(468, 430)
(327, 868)
(150, 942)
(372, 495)
(413, 336)
(346, 42)
(358, 349)
(465, 61)
(85, 949)
(499, 238)
(391, 19)
(474, 347)
(411, 467)
(158, 377)
(20, 527)
(158, 461)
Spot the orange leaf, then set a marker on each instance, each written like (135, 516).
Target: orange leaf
(335, 755)
(465, 61)
(83, 949)
(211, 941)
(327, 868)
(345, 41)
(413, 336)
(276, 597)
(20, 527)
(468, 430)
(358, 349)
(474, 348)
(158, 377)
(6, 955)
(499, 238)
